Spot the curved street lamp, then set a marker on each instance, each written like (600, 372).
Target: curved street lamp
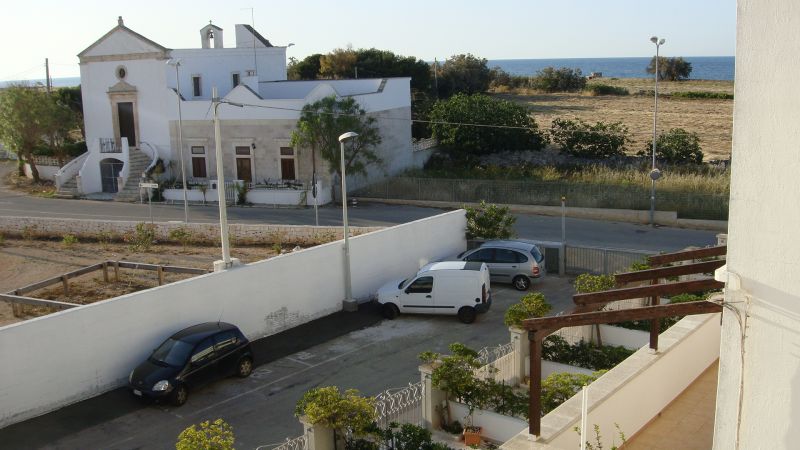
(655, 173)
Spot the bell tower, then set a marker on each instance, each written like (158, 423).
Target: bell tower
(211, 33)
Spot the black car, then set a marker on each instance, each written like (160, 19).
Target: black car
(190, 358)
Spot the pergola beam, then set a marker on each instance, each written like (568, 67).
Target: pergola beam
(667, 272)
(646, 291)
(687, 255)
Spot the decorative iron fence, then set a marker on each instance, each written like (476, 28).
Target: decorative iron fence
(298, 443)
(498, 363)
(689, 205)
(601, 260)
(109, 145)
(401, 405)
(42, 160)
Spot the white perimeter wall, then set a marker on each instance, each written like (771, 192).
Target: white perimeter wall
(763, 247)
(54, 360)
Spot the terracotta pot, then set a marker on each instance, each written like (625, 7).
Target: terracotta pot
(472, 435)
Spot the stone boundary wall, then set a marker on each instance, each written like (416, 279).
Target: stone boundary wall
(43, 227)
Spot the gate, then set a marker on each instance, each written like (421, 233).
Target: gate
(109, 174)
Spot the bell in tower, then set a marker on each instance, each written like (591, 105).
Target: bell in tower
(211, 33)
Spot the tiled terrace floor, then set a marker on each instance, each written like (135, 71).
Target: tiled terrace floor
(687, 423)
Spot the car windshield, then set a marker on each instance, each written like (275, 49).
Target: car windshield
(404, 283)
(172, 352)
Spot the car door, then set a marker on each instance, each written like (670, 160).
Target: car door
(202, 365)
(417, 297)
(226, 347)
(485, 255)
(505, 264)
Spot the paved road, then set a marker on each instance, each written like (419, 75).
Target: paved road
(260, 408)
(579, 231)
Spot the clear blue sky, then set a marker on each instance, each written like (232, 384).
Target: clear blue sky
(502, 29)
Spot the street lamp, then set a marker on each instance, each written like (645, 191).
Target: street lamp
(177, 64)
(349, 303)
(223, 208)
(655, 173)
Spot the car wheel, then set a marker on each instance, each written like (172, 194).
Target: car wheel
(521, 283)
(180, 395)
(390, 311)
(467, 314)
(245, 368)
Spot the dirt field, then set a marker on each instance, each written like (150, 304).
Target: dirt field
(26, 262)
(711, 119)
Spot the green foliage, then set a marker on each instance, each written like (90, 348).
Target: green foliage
(403, 437)
(605, 89)
(587, 282)
(503, 399)
(670, 69)
(210, 436)
(579, 138)
(306, 69)
(564, 79)
(347, 411)
(181, 234)
(463, 74)
(583, 354)
(338, 64)
(676, 146)
(598, 445)
(455, 373)
(702, 95)
(530, 306)
(561, 386)
(69, 241)
(142, 238)
(639, 265)
(322, 122)
(374, 63)
(241, 193)
(489, 222)
(477, 138)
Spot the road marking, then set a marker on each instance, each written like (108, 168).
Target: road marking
(300, 362)
(303, 355)
(250, 391)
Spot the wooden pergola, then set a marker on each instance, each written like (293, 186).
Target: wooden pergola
(587, 310)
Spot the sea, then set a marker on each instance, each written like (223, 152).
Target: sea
(703, 68)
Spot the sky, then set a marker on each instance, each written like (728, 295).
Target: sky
(502, 29)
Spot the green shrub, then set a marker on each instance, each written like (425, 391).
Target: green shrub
(241, 193)
(676, 146)
(346, 411)
(181, 234)
(703, 95)
(210, 436)
(581, 139)
(605, 89)
(69, 241)
(564, 79)
(586, 283)
(639, 265)
(142, 238)
(561, 386)
(489, 222)
(398, 437)
(530, 306)
(583, 354)
(598, 440)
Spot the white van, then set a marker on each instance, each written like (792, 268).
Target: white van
(454, 287)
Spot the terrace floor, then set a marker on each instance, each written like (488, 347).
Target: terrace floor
(687, 422)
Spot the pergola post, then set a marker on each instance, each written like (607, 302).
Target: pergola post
(655, 324)
(535, 397)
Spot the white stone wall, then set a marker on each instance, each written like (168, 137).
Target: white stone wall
(81, 352)
(762, 246)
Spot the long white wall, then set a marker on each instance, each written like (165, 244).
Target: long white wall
(763, 247)
(55, 360)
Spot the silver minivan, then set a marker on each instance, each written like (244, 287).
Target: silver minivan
(510, 261)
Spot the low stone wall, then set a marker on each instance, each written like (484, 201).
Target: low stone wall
(38, 227)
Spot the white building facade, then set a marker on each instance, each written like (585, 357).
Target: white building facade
(132, 88)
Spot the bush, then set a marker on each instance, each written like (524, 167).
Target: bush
(241, 193)
(586, 283)
(605, 89)
(564, 79)
(211, 436)
(583, 354)
(489, 222)
(182, 235)
(347, 410)
(676, 146)
(69, 241)
(561, 386)
(142, 238)
(670, 69)
(703, 95)
(530, 306)
(465, 140)
(463, 74)
(582, 139)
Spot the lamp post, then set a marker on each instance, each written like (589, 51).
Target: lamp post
(349, 303)
(177, 63)
(223, 207)
(655, 173)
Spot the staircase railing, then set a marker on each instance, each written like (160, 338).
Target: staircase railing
(70, 169)
(153, 153)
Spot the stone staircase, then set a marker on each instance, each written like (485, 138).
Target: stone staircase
(69, 189)
(130, 191)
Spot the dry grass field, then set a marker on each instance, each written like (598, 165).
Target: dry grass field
(711, 119)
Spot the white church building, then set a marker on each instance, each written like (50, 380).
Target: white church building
(132, 88)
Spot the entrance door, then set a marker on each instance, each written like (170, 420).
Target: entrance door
(244, 170)
(127, 126)
(109, 173)
(418, 297)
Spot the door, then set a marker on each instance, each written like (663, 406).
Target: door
(226, 346)
(485, 255)
(244, 170)
(418, 297)
(127, 124)
(202, 366)
(505, 264)
(109, 174)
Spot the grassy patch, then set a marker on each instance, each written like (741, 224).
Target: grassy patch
(703, 95)
(605, 89)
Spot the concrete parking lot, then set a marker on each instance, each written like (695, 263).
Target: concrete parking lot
(377, 355)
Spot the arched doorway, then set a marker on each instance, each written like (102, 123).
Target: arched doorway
(109, 173)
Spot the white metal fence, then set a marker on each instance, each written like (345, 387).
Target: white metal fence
(401, 405)
(298, 443)
(498, 363)
(601, 260)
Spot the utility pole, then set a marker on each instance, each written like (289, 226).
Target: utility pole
(47, 75)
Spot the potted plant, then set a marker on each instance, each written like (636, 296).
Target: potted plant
(346, 413)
